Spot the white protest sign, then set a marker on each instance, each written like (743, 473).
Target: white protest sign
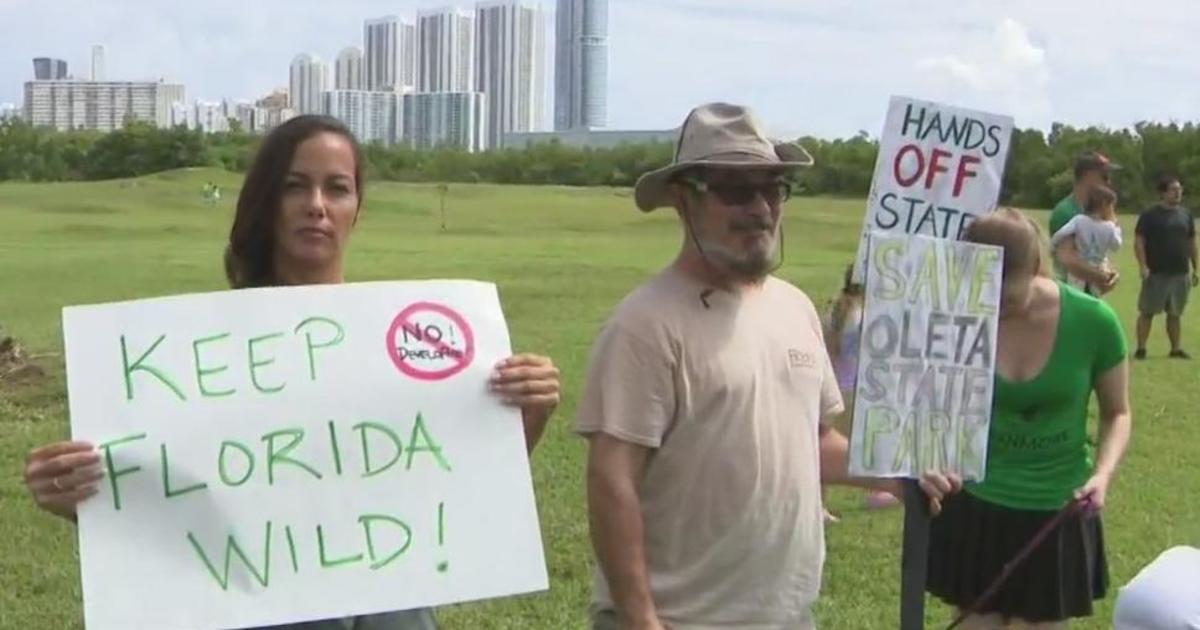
(927, 357)
(286, 454)
(939, 167)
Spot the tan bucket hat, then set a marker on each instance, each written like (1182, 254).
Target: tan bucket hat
(720, 135)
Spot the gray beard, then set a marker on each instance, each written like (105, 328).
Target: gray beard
(750, 266)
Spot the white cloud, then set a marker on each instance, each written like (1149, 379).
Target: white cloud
(956, 69)
(1006, 73)
(806, 68)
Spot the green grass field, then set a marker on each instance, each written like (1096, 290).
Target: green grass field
(562, 258)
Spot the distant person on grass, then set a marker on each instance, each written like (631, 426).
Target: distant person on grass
(1055, 347)
(1096, 234)
(1091, 169)
(843, 337)
(298, 206)
(211, 193)
(707, 405)
(1170, 268)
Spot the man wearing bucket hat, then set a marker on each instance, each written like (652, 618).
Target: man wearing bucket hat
(705, 404)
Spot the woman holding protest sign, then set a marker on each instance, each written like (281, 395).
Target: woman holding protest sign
(298, 206)
(1055, 346)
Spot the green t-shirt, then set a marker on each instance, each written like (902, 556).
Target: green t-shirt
(1038, 453)
(1062, 213)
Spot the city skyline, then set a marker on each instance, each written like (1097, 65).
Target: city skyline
(494, 60)
(100, 105)
(393, 57)
(809, 68)
(490, 63)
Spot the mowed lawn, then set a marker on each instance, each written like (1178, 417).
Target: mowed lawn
(562, 258)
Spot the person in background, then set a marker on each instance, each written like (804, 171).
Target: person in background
(1096, 233)
(297, 209)
(843, 330)
(1091, 169)
(1165, 246)
(1055, 347)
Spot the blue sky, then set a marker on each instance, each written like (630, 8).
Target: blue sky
(809, 67)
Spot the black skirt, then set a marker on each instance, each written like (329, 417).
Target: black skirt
(972, 539)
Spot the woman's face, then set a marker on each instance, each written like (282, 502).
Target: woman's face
(319, 203)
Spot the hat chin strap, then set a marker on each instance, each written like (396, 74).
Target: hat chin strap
(687, 217)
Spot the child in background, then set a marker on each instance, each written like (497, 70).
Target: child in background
(843, 328)
(1096, 234)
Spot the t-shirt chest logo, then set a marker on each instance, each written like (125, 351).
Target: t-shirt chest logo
(800, 359)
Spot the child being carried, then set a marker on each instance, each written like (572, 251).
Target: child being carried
(1096, 234)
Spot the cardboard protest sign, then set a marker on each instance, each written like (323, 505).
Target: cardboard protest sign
(927, 357)
(286, 454)
(939, 167)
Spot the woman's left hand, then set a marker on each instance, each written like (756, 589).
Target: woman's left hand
(1094, 491)
(938, 486)
(528, 381)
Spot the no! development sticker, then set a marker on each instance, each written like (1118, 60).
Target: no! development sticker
(430, 342)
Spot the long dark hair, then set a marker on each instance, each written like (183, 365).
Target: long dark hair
(250, 255)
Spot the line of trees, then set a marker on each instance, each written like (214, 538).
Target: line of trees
(1038, 172)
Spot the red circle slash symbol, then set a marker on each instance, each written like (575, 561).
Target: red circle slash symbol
(419, 349)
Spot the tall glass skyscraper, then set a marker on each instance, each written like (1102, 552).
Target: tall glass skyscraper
(581, 65)
(510, 65)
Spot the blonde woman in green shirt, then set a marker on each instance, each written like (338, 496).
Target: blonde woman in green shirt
(1055, 346)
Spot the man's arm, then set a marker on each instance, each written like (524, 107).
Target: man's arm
(614, 473)
(1139, 250)
(835, 463)
(1068, 255)
(1195, 260)
(835, 466)
(626, 410)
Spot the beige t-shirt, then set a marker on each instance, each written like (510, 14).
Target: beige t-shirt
(730, 396)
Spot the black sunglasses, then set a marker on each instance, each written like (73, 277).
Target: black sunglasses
(774, 193)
